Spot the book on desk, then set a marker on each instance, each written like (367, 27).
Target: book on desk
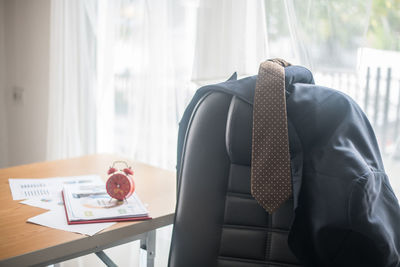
(91, 204)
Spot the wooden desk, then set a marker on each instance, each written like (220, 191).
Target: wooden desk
(23, 243)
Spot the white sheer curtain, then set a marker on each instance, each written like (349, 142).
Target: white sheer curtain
(159, 52)
(137, 81)
(72, 106)
(231, 36)
(145, 58)
(328, 34)
(123, 71)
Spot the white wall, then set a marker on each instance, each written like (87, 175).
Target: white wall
(3, 116)
(27, 35)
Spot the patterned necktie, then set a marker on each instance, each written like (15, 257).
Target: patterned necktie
(270, 159)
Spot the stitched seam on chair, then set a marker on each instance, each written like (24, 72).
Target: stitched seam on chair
(276, 263)
(223, 219)
(243, 195)
(239, 195)
(256, 228)
(268, 239)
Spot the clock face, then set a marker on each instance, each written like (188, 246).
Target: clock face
(120, 186)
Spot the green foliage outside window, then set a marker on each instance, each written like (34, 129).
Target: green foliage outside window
(384, 26)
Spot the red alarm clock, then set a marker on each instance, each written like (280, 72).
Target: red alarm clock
(120, 183)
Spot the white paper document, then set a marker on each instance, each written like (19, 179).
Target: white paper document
(45, 203)
(55, 218)
(46, 188)
(45, 193)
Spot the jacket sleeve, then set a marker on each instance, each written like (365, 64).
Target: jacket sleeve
(374, 217)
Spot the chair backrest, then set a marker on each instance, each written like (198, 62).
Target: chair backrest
(218, 222)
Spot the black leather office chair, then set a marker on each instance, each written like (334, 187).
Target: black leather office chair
(218, 222)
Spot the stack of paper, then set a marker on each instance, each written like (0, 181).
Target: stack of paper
(46, 193)
(91, 203)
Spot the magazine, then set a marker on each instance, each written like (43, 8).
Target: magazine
(90, 203)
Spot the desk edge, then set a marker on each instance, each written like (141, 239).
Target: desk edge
(87, 245)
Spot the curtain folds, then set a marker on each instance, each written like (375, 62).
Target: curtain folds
(122, 71)
(144, 64)
(72, 97)
(231, 36)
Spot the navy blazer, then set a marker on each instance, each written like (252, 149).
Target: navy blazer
(346, 213)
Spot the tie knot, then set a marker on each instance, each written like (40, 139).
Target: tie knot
(280, 61)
